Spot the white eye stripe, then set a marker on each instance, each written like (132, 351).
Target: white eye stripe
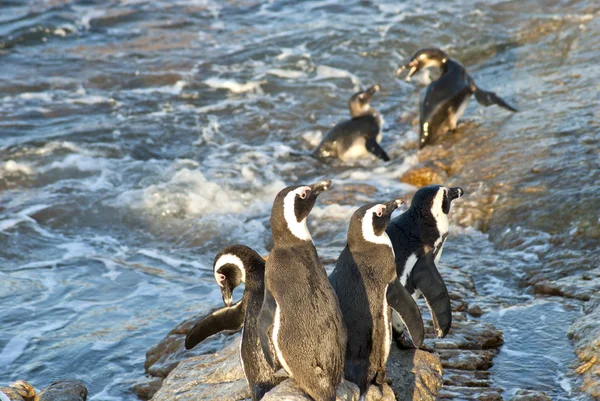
(367, 228)
(227, 259)
(438, 214)
(297, 228)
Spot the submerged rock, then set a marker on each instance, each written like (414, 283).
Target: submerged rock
(585, 333)
(424, 174)
(288, 391)
(530, 395)
(582, 286)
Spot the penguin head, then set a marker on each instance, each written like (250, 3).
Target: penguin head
(291, 208)
(360, 103)
(369, 222)
(432, 202)
(423, 58)
(231, 266)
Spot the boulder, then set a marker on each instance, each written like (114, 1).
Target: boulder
(18, 391)
(585, 333)
(581, 286)
(289, 391)
(416, 375)
(425, 173)
(64, 390)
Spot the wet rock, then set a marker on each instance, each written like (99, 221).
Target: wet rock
(585, 333)
(376, 393)
(475, 311)
(467, 359)
(581, 286)
(530, 395)
(415, 374)
(64, 390)
(470, 393)
(164, 356)
(469, 335)
(426, 173)
(207, 377)
(19, 391)
(288, 391)
(147, 387)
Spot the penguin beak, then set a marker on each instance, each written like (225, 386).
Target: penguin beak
(316, 189)
(393, 205)
(455, 193)
(373, 90)
(227, 295)
(413, 67)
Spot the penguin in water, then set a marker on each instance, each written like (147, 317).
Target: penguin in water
(358, 136)
(300, 311)
(418, 236)
(365, 282)
(446, 98)
(235, 264)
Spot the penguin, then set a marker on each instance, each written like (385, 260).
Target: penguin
(300, 311)
(446, 98)
(357, 137)
(418, 236)
(365, 282)
(245, 265)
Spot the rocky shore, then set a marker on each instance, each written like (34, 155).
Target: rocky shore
(64, 390)
(458, 369)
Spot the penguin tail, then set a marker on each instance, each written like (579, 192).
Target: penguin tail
(489, 98)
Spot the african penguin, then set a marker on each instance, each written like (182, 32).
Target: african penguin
(300, 311)
(365, 282)
(244, 264)
(418, 236)
(357, 137)
(446, 98)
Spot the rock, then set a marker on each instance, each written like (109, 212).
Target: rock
(415, 374)
(19, 391)
(288, 391)
(207, 377)
(375, 393)
(64, 390)
(470, 393)
(585, 333)
(581, 286)
(475, 310)
(426, 173)
(468, 335)
(530, 395)
(147, 387)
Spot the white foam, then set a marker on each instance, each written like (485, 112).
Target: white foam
(326, 72)
(313, 137)
(175, 89)
(234, 86)
(289, 74)
(175, 263)
(80, 162)
(43, 96)
(103, 345)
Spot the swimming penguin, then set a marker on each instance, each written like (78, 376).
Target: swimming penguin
(247, 265)
(418, 236)
(300, 311)
(365, 282)
(446, 98)
(358, 136)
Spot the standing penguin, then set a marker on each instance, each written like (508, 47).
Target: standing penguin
(232, 263)
(365, 282)
(446, 98)
(418, 236)
(358, 136)
(300, 311)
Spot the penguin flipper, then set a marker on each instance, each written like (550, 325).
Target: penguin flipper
(403, 303)
(426, 277)
(489, 98)
(266, 317)
(374, 148)
(228, 318)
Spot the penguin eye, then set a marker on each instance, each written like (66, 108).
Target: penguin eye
(379, 213)
(303, 195)
(221, 277)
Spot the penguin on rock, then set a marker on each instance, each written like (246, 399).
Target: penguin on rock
(446, 98)
(366, 284)
(418, 236)
(300, 311)
(235, 264)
